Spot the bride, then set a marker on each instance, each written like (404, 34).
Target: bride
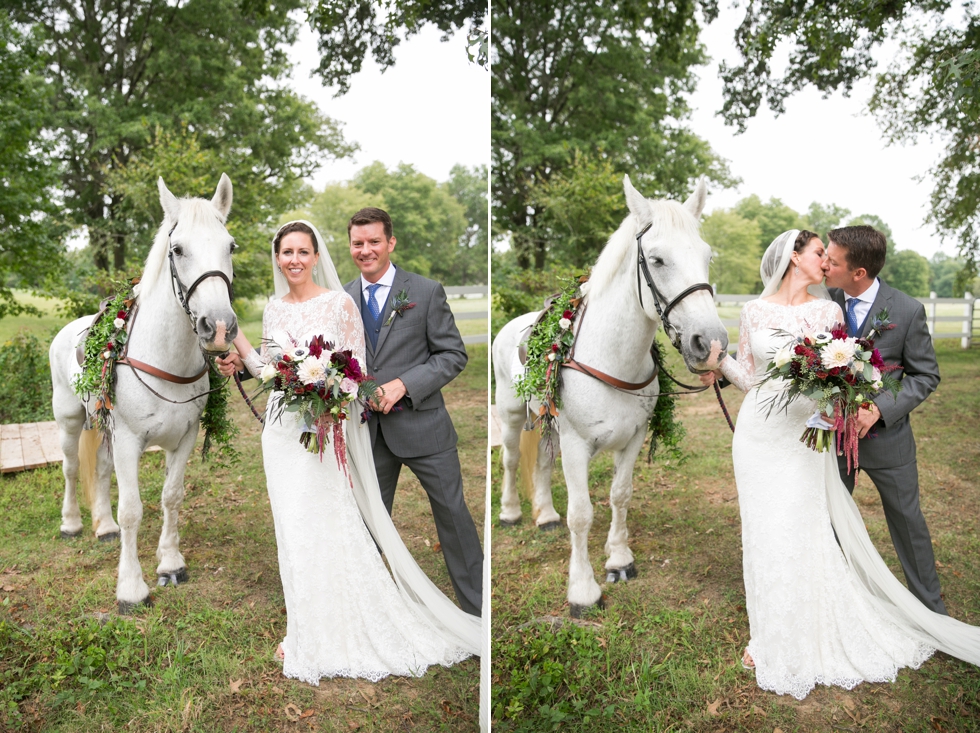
(346, 615)
(819, 612)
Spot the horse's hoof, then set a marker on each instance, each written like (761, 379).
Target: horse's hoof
(175, 578)
(621, 575)
(69, 535)
(109, 537)
(510, 522)
(577, 611)
(126, 608)
(550, 526)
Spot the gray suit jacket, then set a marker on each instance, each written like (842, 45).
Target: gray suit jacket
(910, 345)
(423, 348)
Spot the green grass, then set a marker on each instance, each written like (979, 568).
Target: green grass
(201, 659)
(664, 654)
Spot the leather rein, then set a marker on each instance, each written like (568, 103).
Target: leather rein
(183, 294)
(672, 331)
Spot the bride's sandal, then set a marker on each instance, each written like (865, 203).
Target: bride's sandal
(747, 661)
(280, 654)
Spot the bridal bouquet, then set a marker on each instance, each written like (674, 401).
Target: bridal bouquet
(842, 374)
(318, 383)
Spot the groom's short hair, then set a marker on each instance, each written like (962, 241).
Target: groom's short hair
(865, 247)
(370, 215)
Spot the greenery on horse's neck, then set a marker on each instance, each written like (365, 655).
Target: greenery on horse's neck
(549, 344)
(105, 343)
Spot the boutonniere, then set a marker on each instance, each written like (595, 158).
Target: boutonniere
(399, 304)
(880, 323)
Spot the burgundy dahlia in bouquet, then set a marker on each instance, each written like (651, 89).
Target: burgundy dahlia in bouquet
(841, 374)
(318, 383)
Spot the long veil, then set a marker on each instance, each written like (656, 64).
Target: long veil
(460, 628)
(942, 632)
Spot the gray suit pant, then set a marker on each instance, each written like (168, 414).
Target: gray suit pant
(441, 477)
(899, 491)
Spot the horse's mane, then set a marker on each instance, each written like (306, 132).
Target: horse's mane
(668, 217)
(198, 213)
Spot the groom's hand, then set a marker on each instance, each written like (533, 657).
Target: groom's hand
(866, 418)
(388, 395)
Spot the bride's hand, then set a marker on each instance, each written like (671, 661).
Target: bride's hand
(229, 364)
(708, 378)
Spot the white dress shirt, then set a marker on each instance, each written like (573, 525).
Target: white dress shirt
(865, 301)
(381, 295)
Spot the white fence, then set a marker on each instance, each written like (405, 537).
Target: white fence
(463, 291)
(948, 307)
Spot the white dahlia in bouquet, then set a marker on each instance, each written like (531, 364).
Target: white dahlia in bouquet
(320, 384)
(841, 374)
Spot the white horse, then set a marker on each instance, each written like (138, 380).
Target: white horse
(660, 243)
(184, 309)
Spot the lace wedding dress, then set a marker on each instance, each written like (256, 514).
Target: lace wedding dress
(345, 615)
(812, 620)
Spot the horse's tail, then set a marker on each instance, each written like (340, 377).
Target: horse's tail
(530, 440)
(88, 453)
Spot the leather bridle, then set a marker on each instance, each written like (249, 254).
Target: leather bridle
(183, 292)
(672, 331)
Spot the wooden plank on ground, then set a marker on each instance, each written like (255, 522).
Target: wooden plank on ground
(50, 441)
(11, 456)
(30, 442)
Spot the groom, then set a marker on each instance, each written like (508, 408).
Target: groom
(886, 451)
(413, 350)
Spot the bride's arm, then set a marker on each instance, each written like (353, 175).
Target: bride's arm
(740, 371)
(253, 359)
(351, 330)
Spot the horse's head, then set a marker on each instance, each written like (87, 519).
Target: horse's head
(673, 275)
(195, 251)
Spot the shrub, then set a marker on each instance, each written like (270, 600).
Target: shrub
(25, 389)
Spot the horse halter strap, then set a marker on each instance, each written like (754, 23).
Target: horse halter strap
(184, 293)
(673, 333)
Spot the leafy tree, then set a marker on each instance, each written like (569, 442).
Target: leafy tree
(909, 272)
(29, 232)
(609, 80)
(931, 86)
(822, 218)
(942, 276)
(773, 217)
(121, 71)
(469, 187)
(348, 29)
(734, 244)
(582, 205)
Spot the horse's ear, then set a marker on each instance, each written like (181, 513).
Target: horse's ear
(222, 197)
(171, 208)
(637, 203)
(695, 204)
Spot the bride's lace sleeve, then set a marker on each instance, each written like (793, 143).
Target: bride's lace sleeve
(740, 371)
(350, 329)
(258, 358)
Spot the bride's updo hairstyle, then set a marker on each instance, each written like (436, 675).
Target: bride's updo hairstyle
(295, 226)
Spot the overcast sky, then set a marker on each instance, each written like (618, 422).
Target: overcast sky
(431, 109)
(825, 150)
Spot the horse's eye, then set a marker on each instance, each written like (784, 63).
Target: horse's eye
(657, 261)
(177, 250)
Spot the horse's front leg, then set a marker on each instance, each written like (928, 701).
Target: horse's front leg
(619, 565)
(106, 529)
(584, 593)
(510, 500)
(131, 591)
(172, 568)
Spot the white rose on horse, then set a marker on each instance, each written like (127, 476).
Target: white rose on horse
(653, 271)
(181, 313)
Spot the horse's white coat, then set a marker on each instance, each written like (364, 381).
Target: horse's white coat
(163, 337)
(614, 336)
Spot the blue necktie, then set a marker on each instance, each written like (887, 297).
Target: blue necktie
(373, 304)
(852, 324)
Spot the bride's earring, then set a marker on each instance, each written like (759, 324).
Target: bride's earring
(314, 270)
(797, 270)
